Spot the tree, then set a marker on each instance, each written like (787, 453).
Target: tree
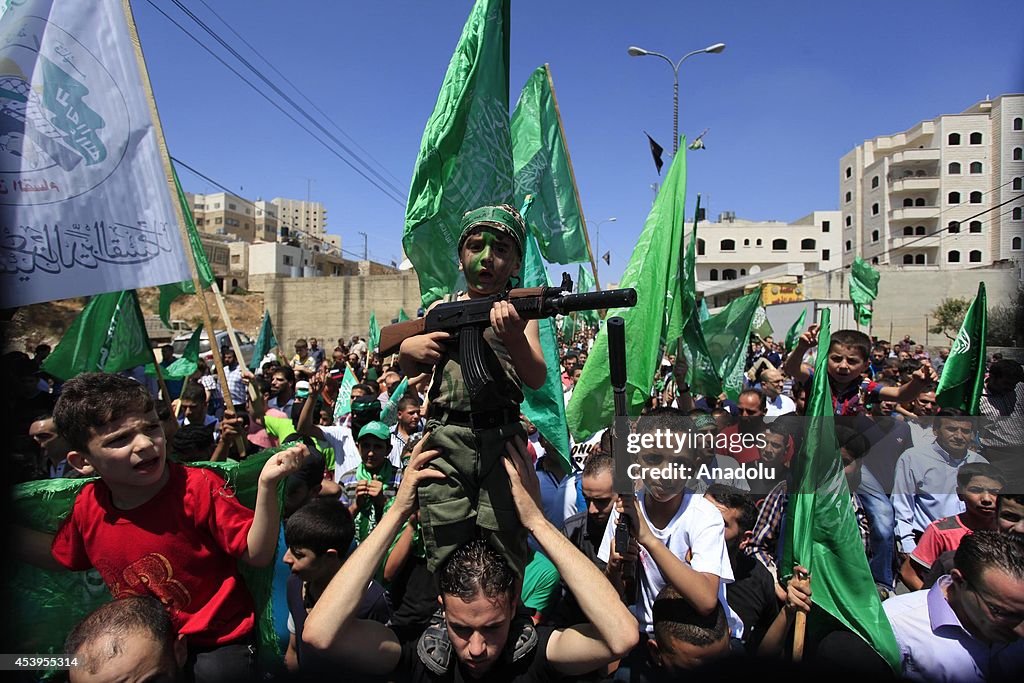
(948, 316)
(1006, 323)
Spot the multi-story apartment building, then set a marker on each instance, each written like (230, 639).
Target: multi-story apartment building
(295, 215)
(224, 214)
(945, 193)
(267, 224)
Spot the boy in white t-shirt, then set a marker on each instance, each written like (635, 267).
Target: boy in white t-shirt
(680, 537)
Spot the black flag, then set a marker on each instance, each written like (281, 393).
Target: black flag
(656, 151)
(607, 257)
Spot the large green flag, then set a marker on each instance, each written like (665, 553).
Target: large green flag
(584, 284)
(653, 270)
(168, 293)
(48, 604)
(963, 375)
(821, 532)
(465, 158)
(343, 404)
(702, 375)
(543, 169)
(795, 330)
(187, 364)
(863, 289)
(727, 335)
(266, 342)
(374, 339)
(109, 335)
(568, 330)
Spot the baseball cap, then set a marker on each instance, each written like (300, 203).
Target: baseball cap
(377, 429)
(302, 389)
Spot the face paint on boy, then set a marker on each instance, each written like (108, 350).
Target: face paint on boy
(489, 259)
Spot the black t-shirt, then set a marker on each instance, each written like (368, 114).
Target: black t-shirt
(752, 596)
(532, 668)
(414, 597)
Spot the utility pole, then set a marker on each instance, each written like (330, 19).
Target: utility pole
(366, 252)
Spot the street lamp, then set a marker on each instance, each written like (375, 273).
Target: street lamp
(640, 52)
(597, 243)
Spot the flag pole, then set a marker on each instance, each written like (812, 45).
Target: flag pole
(165, 160)
(572, 175)
(254, 395)
(799, 630)
(156, 365)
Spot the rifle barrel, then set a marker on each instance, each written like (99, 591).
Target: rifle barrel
(591, 301)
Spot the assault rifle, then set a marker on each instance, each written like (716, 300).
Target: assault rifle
(621, 481)
(467, 320)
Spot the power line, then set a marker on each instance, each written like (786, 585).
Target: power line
(277, 106)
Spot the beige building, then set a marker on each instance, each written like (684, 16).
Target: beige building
(224, 214)
(945, 193)
(295, 215)
(267, 224)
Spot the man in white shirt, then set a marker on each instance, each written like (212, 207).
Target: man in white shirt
(772, 382)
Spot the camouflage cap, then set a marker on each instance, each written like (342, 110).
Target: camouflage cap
(502, 218)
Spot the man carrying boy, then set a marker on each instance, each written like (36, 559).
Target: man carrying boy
(156, 528)
(977, 486)
(470, 430)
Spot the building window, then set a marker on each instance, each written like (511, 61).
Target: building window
(975, 138)
(954, 197)
(874, 209)
(974, 256)
(757, 243)
(849, 196)
(908, 259)
(743, 271)
(826, 226)
(953, 257)
(1016, 243)
(1016, 214)
(954, 168)
(236, 258)
(199, 221)
(729, 274)
(232, 207)
(714, 274)
(975, 197)
(874, 260)
(779, 245)
(727, 245)
(746, 243)
(874, 182)
(907, 201)
(218, 220)
(1016, 184)
(1018, 123)
(807, 244)
(849, 221)
(700, 247)
(976, 167)
(825, 255)
(953, 227)
(954, 139)
(849, 169)
(217, 205)
(1018, 153)
(919, 201)
(919, 259)
(919, 230)
(975, 226)
(849, 245)
(287, 260)
(908, 231)
(874, 235)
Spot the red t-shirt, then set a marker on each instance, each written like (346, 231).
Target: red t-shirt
(180, 547)
(941, 536)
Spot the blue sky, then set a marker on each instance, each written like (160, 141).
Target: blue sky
(799, 85)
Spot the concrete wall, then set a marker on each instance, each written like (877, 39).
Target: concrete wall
(906, 296)
(331, 307)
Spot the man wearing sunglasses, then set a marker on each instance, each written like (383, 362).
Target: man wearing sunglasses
(969, 625)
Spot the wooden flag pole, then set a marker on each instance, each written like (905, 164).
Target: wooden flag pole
(572, 174)
(254, 395)
(799, 630)
(179, 216)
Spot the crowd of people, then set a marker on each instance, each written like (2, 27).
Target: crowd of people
(430, 532)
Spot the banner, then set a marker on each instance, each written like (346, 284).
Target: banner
(963, 376)
(86, 206)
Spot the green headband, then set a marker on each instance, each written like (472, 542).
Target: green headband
(703, 420)
(504, 219)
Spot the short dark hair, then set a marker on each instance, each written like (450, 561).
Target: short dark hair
(855, 443)
(978, 469)
(735, 499)
(194, 392)
(475, 567)
(117, 619)
(367, 389)
(990, 550)
(191, 439)
(953, 415)
(676, 619)
(93, 399)
(854, 339)
(598, 463)
(1008, 368)
(407, 400)
(322, 524)
(287, 371)
(755, 392)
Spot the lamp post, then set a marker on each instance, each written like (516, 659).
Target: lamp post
(640, 52)
(597, 242)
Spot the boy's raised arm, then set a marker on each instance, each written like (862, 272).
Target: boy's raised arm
(794, 362)
(33, 547)
(262, 538)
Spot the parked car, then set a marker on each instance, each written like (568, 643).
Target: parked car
(245, 343)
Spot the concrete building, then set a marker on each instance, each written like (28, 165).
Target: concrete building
(946, 192)
(267, 224)
(295, 215)
(224, 214)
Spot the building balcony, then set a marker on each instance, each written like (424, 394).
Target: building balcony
(914, 184)
(913, 213)
(915, 156)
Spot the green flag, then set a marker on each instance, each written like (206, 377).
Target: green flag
(863, 289)
(187, 364)
(465, 158)
(702, 375)
(761, 327)
(793, 335)
(109, 335)
(653, 270)
(265, 342)
(48, 604)
(545, 406)
(821, 531)
(568, 330)
(168, 293)
(543, 169)
(389, 413)
(374, 339)
(703, 313)
(963, 375)
(584, 284)
(402, 316)
(727, 335)
(343, 405)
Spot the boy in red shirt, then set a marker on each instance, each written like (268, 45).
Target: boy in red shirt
(977, 485)
(156, 528)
